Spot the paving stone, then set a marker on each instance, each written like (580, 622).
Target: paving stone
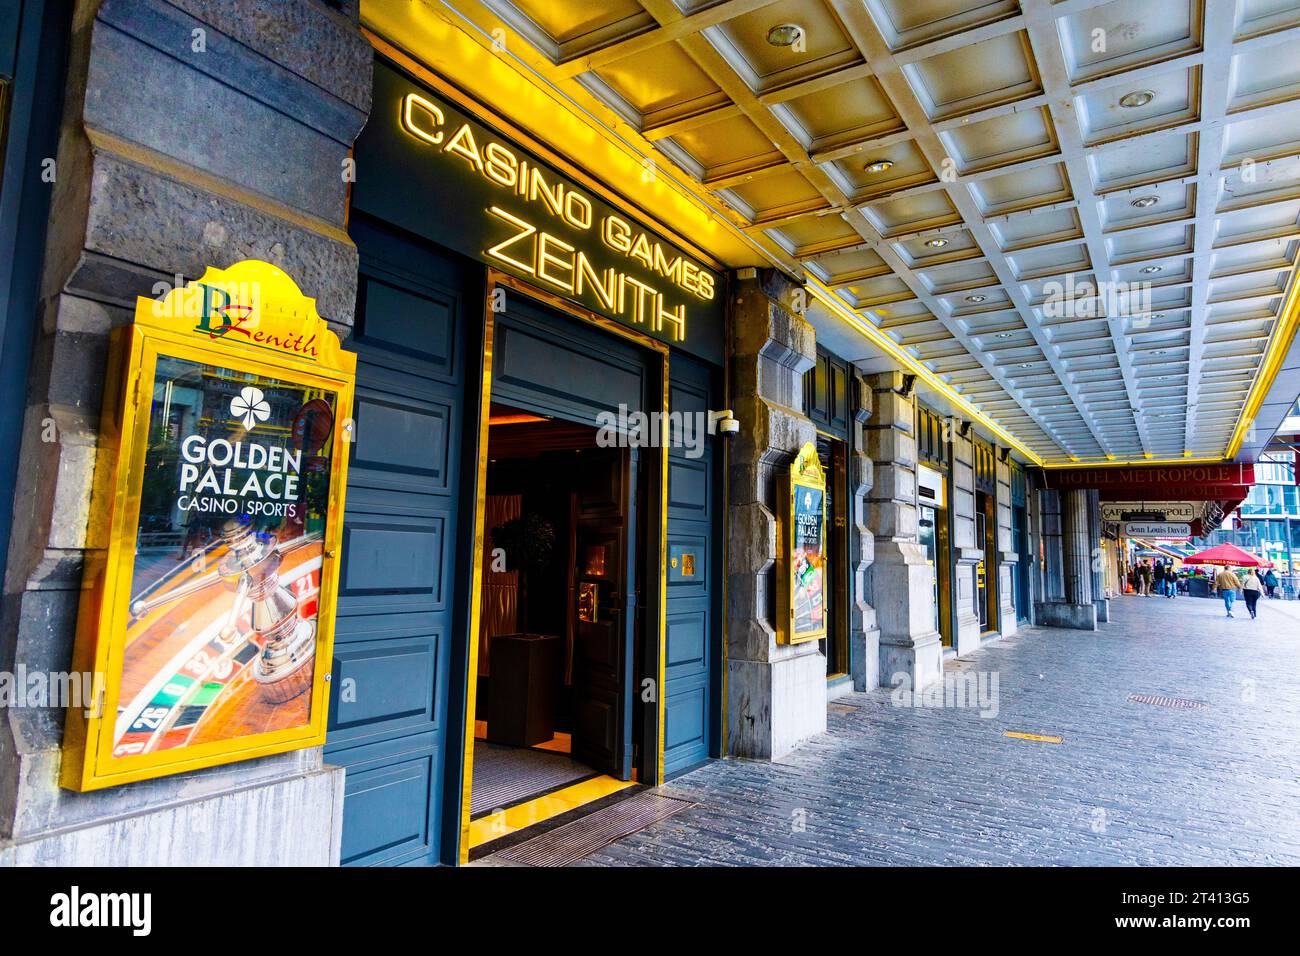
(1131, 783)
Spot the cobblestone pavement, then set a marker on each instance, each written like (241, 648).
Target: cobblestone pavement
(1130, 783)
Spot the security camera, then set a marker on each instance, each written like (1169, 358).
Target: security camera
(726, 425)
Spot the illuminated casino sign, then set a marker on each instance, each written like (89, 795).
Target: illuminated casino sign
(207, 615)
(474, 190)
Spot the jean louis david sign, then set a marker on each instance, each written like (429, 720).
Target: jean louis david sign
(1169, 530)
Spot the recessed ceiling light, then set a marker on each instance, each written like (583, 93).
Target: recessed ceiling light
(1148, 270)
(879, 165)
(1005, 335)
(1143, 202)
(784, 34)
(974, 298)
(1136, 98)
(1026, 365)
(936, 243)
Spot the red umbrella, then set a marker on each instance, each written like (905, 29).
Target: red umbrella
(1228, 555)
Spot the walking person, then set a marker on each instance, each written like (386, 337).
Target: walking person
(1250, 589)
(1171, 582)
(1144, 578)
(1270, 582)
(1227, 584)
(1158, 573)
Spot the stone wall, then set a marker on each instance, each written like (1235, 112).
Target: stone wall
(1070, 554)
(901, 579)
(864, 634)
(776, 693)
(196, 133)
(967, 551)
(1005, 559)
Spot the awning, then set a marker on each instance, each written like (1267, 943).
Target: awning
(1227, 555)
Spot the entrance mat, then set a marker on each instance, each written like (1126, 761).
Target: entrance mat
(504, 776)
(841, 708)
(595, 831)
(1160, 701)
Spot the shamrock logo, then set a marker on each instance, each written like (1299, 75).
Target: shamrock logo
(250, 407)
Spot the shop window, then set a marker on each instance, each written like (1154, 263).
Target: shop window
(826, 394)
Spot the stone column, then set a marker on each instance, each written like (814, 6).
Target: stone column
(1099, 598)
(194, 134)
(902, 581)
(1077, 608)
(967, 552)
(776, 693)
(1078, 546)
(1006, 558)
(1032, 561)
(1053, 575)
(864, 634)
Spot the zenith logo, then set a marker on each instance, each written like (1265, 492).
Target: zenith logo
(76, 909)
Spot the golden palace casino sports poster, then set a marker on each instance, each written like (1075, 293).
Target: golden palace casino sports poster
(223, 611)
(807, 559)
(802, 602)
(208, 612)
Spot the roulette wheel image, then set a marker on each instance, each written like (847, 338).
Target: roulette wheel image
(224, 647)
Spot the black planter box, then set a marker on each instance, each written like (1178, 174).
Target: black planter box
(525, 684)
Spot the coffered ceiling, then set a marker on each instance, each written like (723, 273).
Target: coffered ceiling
(1083, 216)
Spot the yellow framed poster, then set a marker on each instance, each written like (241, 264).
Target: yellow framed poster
(801, 599)
(207, 609)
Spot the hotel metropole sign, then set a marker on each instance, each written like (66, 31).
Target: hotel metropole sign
(207, 611)
(1164, 482)
(427, 165)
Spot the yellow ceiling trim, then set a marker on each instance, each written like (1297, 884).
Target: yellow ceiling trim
(881, 340)
(1278, 346)
(1130, 462)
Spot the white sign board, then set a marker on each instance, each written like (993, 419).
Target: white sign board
(1157, 529)
(1172, 510)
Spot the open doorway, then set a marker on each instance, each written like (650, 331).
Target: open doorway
(559, 630)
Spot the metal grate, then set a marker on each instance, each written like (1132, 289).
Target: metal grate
(1161, 701)
(595, 831)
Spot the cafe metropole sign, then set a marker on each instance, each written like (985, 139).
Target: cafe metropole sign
(207, 609)
(428, 166)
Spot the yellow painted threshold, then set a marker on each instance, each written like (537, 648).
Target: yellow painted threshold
(496, 825)
(1019, 736)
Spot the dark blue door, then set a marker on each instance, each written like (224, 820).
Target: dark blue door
(694, 556)
(604, 648)
(33, 42)
(399, 610)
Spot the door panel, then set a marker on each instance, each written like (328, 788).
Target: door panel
(602, 660)
(557, 367)
(397, 609)
(692, 580)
